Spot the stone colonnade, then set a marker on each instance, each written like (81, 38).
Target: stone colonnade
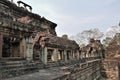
(55, 54)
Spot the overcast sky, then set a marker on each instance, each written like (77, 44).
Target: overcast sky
(74, 16)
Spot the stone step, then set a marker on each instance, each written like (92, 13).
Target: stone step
(18, 71)
(20, 64)
(51, 64)
(21, 69)
(7, 63)
(16, 66)
(36, 57)
(12, 59)
(4, 67)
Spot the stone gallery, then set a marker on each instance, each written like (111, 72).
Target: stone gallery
(29, 45)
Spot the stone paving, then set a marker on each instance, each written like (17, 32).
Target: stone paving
(43, 74)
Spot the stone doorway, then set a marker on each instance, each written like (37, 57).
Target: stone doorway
(10, 47)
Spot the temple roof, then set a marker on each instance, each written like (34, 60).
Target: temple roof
(63, 43)
(50, 40)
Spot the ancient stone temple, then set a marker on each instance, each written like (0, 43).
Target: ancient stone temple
(29, 46)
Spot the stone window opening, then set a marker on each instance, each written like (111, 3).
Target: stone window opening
(50, 56)
(68, 55)
(75, 54)
(60, 55)
(10, 47)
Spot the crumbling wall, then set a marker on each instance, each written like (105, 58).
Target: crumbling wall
(111, 63)
(110, 69)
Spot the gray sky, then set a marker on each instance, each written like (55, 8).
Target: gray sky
(74, 16)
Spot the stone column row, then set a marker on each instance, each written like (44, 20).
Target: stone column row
(55, 55)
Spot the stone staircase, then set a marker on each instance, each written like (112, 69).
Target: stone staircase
(51, 64)
(12, 67)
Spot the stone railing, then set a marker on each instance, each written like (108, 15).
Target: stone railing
(72, 62)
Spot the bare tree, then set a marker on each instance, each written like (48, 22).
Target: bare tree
(83, 37)
(112, 31)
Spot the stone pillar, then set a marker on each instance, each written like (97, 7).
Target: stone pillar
(29, 48)
(73, 54)
(55, 54)
(30, 9)
(42, 52)
(24, 47)
(65, 55)
(70, 55)
(44, 55)
(101, 55)
(22, 50)
(78, 55)
(87, 54)
(1, 41)
(29, 52)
